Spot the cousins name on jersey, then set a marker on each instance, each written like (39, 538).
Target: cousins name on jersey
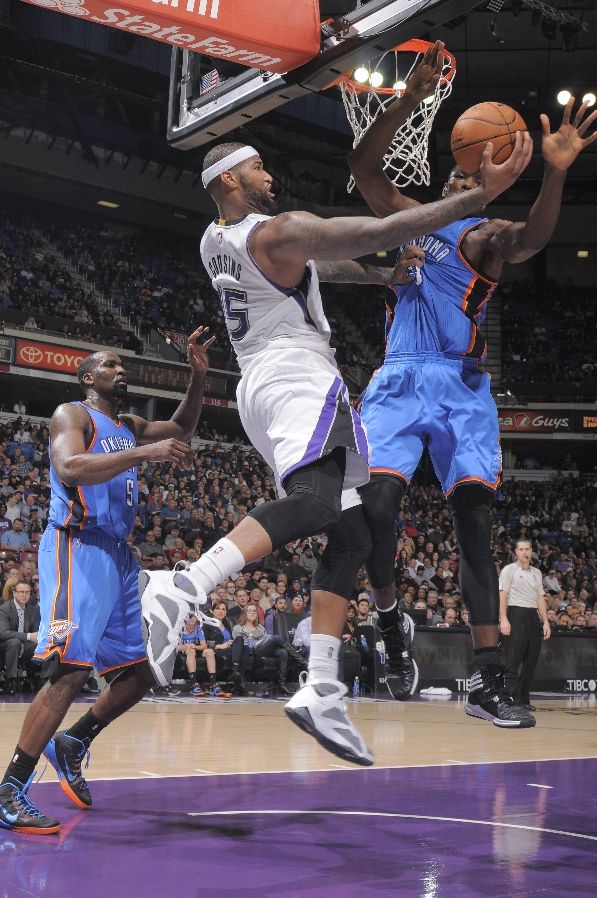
(223, 264)
(433, 247)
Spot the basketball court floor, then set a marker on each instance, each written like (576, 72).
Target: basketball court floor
(212, 797)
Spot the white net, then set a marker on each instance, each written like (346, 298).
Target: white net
(406, 159)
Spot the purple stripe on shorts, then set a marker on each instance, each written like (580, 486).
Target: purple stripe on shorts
(361, 438)
(322, 429)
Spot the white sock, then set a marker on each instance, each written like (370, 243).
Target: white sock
(323, 657)
(221, 561)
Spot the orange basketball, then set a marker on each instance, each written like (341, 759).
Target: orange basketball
(485, 121)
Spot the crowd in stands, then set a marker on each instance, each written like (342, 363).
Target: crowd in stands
(38, 292)
(158, 281)
(536, 326)
(183, 513)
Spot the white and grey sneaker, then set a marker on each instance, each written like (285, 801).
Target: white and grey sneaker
(164, 617)
(185, 586)
(318, 709)
(165, 608)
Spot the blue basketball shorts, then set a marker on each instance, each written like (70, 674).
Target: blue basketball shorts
(443, 403)
(89, 600)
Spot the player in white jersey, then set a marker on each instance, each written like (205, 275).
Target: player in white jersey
(293, 402)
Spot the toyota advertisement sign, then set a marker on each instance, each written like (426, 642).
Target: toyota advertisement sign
(49, 356)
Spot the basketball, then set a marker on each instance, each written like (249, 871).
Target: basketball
(485, 121)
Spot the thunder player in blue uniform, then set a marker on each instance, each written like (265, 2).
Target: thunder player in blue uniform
(89, 593)
(430, 390)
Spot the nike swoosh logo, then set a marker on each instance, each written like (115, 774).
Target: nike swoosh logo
(10, 818)
(71, 777)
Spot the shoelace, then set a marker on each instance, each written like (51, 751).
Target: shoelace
(23, 803)
(78, 758)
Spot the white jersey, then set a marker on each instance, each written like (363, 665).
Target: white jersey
(260, 315)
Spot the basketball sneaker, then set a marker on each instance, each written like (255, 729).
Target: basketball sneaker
(402, 673)
(489, 700)
(66, 753)
(19, 814)
(318, 709)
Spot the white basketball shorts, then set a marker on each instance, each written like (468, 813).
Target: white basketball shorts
(294, 408)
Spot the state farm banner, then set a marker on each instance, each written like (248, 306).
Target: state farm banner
(49, 356)
(275, 35)
(534, 420)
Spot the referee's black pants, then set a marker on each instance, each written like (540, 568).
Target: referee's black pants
(523, 648)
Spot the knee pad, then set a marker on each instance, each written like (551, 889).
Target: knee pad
(349, 546)
(313, 503)
(382, 497)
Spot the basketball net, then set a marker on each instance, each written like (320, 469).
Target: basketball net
(406, 159)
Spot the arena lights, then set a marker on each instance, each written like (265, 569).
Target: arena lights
(563, 97)
(590, 98)
(361, 75)
(376, 79)
(108, 205)
(582, 254)
(400, 87)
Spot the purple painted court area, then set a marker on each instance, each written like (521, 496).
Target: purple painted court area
(141, 840)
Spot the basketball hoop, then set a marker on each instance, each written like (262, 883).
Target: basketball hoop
(406, 159)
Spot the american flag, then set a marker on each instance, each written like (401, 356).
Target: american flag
(209, 82)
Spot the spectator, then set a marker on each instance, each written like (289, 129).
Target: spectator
(19, 408)
(241, 598)
(192, 643)
(19, 625)
(257, 642)
(15, 540)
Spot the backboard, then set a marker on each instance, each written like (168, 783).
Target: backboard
(210, 97)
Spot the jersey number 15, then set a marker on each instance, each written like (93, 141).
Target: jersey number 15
(234, 306)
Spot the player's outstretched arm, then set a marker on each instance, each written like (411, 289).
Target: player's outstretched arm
(70, 436)
(183, 423)
(520, 241)
(282, 245)
(353, 273)
(366, 160)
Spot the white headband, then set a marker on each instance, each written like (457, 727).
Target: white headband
(227, 163)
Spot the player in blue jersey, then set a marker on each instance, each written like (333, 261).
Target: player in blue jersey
(430, 390)
(89, 592)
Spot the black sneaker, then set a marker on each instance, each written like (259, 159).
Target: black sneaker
(489, 700)
(65, 754)
(20, 815)
(402, 673)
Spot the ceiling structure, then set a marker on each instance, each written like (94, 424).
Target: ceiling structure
(108, 102)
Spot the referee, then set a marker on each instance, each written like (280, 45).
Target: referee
(523, 619)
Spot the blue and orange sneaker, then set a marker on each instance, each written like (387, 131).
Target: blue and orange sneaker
(18, 814)
(217, 692)
(198, 691)
(65, 754)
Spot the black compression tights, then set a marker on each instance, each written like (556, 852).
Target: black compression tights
(470, 505)
(381, 503)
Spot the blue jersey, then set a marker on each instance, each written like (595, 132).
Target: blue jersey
(109, 506)
(194, 636)
(442, 313)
